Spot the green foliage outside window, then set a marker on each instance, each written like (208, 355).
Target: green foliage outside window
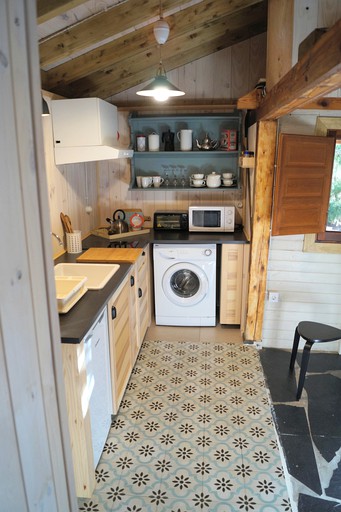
(334, 211)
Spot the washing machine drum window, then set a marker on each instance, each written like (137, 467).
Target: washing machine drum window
(185, 284)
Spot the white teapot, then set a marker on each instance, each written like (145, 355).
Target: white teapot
(213, 180)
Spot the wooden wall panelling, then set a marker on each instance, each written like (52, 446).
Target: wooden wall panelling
(257, 56)
(222, 80)
(240, 71)
(34, 467)
(265, 160)
(328, 12)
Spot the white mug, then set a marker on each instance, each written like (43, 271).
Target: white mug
(157, 181)
(154, 142)
(185, 139)
(146, 181)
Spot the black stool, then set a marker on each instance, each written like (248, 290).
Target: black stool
(312, 332)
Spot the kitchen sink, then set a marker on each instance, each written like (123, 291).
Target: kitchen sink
(98, 274)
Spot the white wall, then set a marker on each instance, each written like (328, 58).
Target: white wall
(312, 14)
(309, 284)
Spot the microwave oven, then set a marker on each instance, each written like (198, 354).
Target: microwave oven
(211, 218)
(171, 221)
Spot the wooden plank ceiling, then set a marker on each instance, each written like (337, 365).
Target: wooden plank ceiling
(99, 52)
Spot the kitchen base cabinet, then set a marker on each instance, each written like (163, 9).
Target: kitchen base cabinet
(89, 404)
(120, 341)
(233, 283)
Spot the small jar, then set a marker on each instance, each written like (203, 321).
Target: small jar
(141, 143)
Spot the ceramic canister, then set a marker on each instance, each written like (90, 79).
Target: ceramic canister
(154, 142)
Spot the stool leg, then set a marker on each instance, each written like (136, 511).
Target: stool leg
(304, 366)
(294, 349)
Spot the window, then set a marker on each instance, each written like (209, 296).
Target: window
(332, 233)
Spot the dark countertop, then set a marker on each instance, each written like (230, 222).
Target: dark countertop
(76, 323)
(180, 237)
(172, 237)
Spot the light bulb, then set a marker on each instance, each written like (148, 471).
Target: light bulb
(161, 94)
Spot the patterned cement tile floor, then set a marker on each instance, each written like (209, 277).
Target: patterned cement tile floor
(194, 432)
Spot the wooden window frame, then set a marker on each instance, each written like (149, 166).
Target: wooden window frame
(330, 236)
(323, 125)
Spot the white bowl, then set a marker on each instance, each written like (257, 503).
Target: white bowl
(227, 175)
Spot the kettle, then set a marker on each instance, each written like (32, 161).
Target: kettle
(118, 225)
(207, 143)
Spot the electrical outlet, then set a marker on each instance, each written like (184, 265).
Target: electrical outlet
(273, 297)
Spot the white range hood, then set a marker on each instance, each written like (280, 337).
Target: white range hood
(86, 130)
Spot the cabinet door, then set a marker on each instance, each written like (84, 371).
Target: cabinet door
(134, 316)
(99, 383)
(120, 342)
(231, 283)
(144, 309)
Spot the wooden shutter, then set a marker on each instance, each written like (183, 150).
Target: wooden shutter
(302, 186)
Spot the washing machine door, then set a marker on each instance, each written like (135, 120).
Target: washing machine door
(185, 284)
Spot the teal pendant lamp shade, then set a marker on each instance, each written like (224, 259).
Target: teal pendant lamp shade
(160, 88)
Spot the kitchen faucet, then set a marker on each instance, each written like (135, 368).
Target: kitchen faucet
(56, 236)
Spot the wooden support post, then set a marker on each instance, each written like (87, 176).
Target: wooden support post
(279, 40)
(261, 228)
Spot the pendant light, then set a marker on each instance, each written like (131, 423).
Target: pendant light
(160, 88)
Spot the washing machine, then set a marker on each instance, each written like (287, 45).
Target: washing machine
(185, 284)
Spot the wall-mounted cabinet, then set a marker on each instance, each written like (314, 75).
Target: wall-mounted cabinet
(176, 167)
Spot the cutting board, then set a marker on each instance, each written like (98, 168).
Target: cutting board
(108, 255)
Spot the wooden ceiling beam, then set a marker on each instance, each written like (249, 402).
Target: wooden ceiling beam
(324, 103)
(126, 16)
(114, 83)
(137, 68)
(48, 9)
(186, 21)
(316, 74)
(99, 27)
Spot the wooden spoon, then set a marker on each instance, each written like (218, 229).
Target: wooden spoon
(64, 222)
(68, 221)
